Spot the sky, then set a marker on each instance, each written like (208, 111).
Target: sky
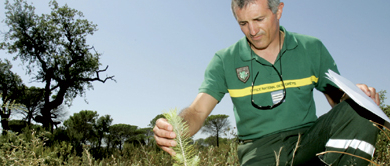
(158, 50)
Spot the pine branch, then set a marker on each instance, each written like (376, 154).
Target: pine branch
(185, 152)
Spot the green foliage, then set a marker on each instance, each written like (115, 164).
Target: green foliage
(29, 149)
(31, 98)
(80, 125)
(10, 87)
(60, 134)
(7, 106)
(17, 125)
(53, 46)
(145, 135)
(80, 128)
(216, 125)
(11, 83)
(120, 133)
(102, 127)
(382, 146)
(185, 152)
(225, 154)
(212, 141)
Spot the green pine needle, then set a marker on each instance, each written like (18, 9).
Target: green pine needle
(185, 153)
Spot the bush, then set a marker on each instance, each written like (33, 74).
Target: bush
(30, 149)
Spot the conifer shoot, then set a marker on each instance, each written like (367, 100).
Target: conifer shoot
(185, 153)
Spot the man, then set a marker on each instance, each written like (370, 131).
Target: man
(270, 75)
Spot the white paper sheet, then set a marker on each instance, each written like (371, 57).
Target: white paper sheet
(357, 95)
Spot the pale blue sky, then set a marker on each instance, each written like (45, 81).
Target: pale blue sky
(158, 50)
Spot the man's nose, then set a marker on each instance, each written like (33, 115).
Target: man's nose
(253, 29)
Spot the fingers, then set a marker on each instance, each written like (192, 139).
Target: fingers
(164, 141)
(370, 92)
(164, 136)
(163, 129)
(364, 88)
(374, 95)
(169, 150)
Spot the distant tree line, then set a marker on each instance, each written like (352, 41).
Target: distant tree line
(54, 52)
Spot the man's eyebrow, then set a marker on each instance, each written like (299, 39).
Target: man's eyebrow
(256, 18)
(259, 17)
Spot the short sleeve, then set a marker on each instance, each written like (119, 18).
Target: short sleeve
(214, 82)
(326, 63)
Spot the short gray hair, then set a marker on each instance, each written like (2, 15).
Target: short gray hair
(272, 4)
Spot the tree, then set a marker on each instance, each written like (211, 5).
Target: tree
(80, 128)
(55, 46)
(10, 87)
(383, 106)
(215, 125)
(212, 141)
(32, 99)
(17, 125)
(148, 135)
(57, 115)
(20, 126)
(140, 136)
(201, 142)
(102, 127)
(382, 145)
(120, 133)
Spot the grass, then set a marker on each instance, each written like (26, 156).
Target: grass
(30, 149)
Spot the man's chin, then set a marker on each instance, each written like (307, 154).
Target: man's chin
(259, 46)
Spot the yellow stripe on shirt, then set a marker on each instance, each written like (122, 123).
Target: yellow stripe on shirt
(264, 88)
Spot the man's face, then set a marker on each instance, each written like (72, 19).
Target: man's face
(258, 23)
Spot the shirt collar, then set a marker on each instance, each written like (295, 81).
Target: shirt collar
(290, 42)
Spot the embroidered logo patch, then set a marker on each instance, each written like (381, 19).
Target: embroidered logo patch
(243, 73)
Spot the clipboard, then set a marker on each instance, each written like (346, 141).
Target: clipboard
(356, 94)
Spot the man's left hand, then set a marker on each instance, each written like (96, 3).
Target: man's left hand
(370, 92)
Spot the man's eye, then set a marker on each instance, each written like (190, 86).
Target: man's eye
(260, 19)
(242, 23)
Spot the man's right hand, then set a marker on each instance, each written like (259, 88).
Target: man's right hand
(195, 115)
(164, 135)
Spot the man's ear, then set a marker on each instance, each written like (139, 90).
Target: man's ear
(280, 10)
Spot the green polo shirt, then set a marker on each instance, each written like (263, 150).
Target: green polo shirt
(303, 62)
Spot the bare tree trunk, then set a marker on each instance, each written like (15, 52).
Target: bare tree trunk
(4, 120)
(47, 122)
